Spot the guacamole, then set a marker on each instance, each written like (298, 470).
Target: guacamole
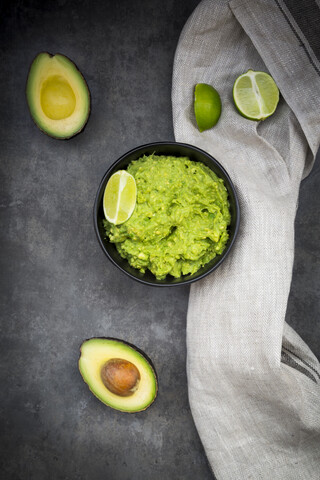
(180, 221)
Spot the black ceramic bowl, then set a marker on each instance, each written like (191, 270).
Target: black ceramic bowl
(178, 150)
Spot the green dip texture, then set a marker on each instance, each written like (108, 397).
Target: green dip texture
(181, 217)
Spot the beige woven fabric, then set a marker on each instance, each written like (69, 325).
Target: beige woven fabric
(254, 386)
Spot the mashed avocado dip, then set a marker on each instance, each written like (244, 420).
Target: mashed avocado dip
(181, 217)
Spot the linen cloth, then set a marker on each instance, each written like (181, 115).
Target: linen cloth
(254, 385)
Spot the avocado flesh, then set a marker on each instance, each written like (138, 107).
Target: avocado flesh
(96, 352)
(57, 95)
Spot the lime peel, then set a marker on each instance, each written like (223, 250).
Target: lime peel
(207, 106)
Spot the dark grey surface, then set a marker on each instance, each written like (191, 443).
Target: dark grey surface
(58, 288)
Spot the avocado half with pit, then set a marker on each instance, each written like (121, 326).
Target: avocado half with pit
(118, 374)
(58, 96)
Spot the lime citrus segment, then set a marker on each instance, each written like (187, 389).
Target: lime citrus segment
(207, 106)
(119, 199)
(255, 95)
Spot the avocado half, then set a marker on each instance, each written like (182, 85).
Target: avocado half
(58, 96)
(118, 374)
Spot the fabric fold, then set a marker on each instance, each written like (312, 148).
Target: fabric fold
(288, 56)
(256, 409)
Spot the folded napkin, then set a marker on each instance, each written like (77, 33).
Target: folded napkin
(254, 385)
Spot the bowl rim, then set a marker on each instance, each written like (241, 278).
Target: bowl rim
(186, 281)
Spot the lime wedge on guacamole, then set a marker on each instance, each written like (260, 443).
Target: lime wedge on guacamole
(255, 95)
(119, 199)
(207, 106)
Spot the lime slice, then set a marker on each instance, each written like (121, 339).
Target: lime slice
(255, 95)
(207, 106)
(119, 198)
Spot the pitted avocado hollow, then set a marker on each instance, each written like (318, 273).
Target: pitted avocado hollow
(120, 377)
(58, 96)
(118, 373)
(58, 100)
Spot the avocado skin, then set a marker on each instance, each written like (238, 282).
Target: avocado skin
(138, 350)
(81, 129)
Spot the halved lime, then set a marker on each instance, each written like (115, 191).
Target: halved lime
(207, 106)
(255, 95)
(119, 198)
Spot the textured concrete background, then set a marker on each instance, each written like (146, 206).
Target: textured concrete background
(57, 288)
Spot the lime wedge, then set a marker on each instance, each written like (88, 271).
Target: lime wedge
(207, 106)
(119, 198)
(255, 95)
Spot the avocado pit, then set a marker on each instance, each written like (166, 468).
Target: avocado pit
(120, 377)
